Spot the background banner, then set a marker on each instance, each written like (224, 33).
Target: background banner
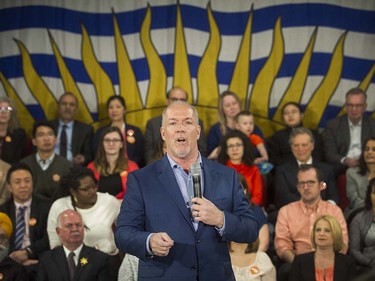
(269, 52)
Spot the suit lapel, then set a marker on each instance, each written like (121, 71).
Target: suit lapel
(168, 181)
(82, 259)
(75, 136)
(61, 263)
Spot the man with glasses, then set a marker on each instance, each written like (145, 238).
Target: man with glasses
(152, 134)
(46, 166)
(343, 136)
(302, 143)
(28, 214)
(295, 220)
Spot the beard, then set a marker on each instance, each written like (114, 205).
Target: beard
(4, 250)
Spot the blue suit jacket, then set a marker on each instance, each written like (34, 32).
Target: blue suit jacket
(154, 203)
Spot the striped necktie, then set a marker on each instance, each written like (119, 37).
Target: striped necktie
(20, 228)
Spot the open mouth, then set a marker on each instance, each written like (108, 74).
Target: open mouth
(181, 140)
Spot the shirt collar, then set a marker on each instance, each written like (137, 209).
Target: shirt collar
(76, 251)
(353, 125)
(49, 160)
(308, 162)
(174, 163)
(27, 204)
(68, 125)
(306, 209)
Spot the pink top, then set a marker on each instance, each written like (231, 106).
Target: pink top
(324, 274)
(295, 222)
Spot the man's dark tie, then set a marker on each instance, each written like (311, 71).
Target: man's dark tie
(63, 141)
(20, 228)
(71, 265)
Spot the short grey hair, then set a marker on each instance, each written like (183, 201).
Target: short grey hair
(300, 131)
(195, 112)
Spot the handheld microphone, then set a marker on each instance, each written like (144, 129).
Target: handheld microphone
(195, 171)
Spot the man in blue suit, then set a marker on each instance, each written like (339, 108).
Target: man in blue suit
(174, 236)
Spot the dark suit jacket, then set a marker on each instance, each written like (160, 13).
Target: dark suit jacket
(81, 139)
(286, 182)
(38, 232)
(279, 150)
(336, 139)
(13, 146)
(12, 271)
(154, 203)
(53, 266)
(153, 138)
(134, 150)
(303, 268)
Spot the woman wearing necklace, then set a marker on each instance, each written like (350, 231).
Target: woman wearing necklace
(362, 232)
(133, 138)
(325, 263)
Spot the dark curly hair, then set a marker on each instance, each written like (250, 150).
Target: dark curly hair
(248, 156)
(370, 187)
(363, 169)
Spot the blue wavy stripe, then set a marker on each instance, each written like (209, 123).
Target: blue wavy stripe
(193, 17)
(354, 69)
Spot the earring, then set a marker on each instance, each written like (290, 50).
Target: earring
(75, 199)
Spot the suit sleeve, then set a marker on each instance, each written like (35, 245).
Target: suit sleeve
(352, 189)
(282, 188)
(130, 235)
(356, 241)
(149, 142)
(42, 271)
(86, 146)
(329, 143)
(295, 270)
(332, 193)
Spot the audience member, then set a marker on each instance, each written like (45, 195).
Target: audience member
(9, 269)
(47, 168)
(176, 237)
(229, 105)
(134, 141)
(295, 220)
(362, 232)
(73, 260)
(302, 145)
(98, 210)
(326, 262)
(12, 136)
(343, 136)
(357, 178)
(245, 123)
(236, 152)
(29, 214)
(264, 231)
(4, 191)
(152, 134)
(110, 166)
(250, 263)
(278, 145)
(73, 137)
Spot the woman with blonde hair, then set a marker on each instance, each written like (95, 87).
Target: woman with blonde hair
(110, 166)
(12, 136)
(229, 105)
(326, 262)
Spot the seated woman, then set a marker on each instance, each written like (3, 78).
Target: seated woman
(12, 136)
(110, 166)
(357, 178)
(362, 232)
(326, 263)
(250, 263)
(236, 152)
(99, 212)
(278, 146)
(229, 105)
(132, 135)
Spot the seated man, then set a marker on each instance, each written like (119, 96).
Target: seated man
(46, 166)
(295, 220)
(343, 136)
(302, 145)
(9, 269)
(73, 260)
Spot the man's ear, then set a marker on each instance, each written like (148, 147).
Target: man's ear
(323, 185)
(162, 133)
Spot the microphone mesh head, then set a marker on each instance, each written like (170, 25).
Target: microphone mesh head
(195, 169)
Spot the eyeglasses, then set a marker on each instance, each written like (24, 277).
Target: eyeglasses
(309, 183)
(237, 145)
(6, 109)
(112, 140)
(176, 99)
(93, 187)
(353, 106)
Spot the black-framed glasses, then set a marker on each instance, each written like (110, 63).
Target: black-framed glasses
(93, 187)
(309, 183)
(353, 106)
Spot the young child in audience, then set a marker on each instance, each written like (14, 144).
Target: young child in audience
(245, 123)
